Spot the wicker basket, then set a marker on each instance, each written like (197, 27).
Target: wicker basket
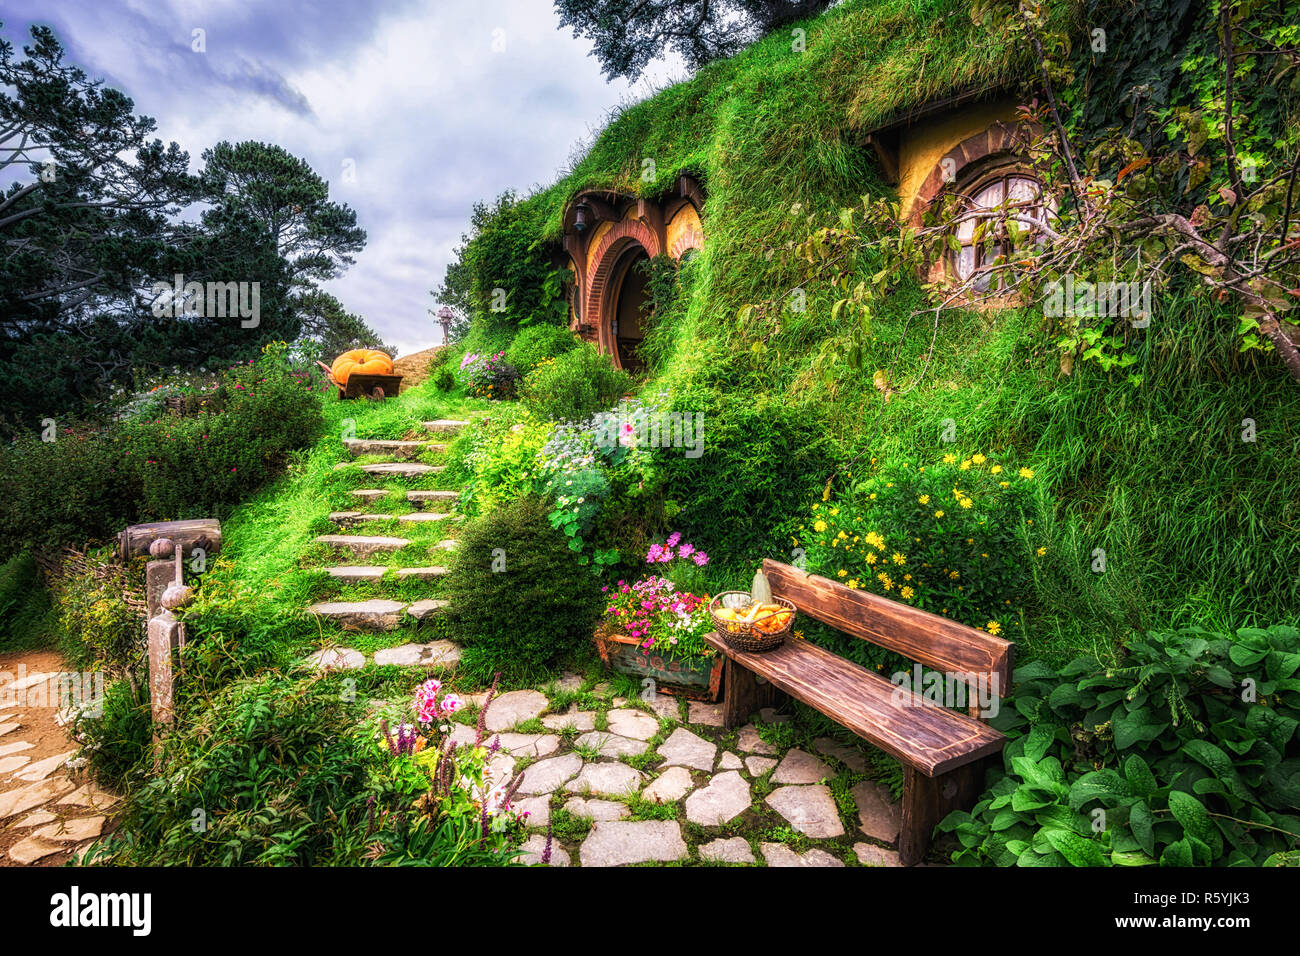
(741, 636)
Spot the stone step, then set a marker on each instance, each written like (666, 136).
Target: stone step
(421, 610)
(421, 574)
(447, 545)
(351, 517)
(436, 654)
(404, 468)
(445, 426)
(362, 544)
(356, 572)
(356, 447)
(422, 495)
(419, 516)
(369, 494)
(377, 614)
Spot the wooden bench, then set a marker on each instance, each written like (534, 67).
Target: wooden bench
(944, 753)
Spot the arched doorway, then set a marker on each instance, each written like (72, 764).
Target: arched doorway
(628, 298)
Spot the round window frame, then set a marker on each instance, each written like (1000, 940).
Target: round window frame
(974, 181)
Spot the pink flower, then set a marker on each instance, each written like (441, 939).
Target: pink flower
(674, 538)
(700, 559)
(685, 551)
(451, 703)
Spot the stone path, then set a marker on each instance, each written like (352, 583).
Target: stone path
(630, 782)
(47, 813)
(431, 506)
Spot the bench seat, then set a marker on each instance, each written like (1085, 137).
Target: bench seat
(930, 738)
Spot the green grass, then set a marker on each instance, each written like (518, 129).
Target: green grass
(270, 569)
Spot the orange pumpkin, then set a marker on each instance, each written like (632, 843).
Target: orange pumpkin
(361, 361)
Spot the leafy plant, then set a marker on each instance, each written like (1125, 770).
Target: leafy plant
(520, 602)
(578, 383)
(1183, 753)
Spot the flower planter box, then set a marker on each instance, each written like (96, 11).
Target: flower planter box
(698, 679)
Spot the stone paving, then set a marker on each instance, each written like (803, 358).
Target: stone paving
(42, 803)
(659, 781)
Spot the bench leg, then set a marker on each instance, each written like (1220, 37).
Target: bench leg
(742, 694)
(927, 800)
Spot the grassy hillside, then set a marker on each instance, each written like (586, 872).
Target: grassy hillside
(1197, 524)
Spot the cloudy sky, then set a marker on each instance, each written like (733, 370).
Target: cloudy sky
(432, 103)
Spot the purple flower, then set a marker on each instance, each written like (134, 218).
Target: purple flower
(674, 538)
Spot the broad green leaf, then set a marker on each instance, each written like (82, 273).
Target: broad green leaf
(1077, 850)
(1191, 813)
(1104, 785)
(1132, 858)
(1142, 822)
(1178, 853)
(1139, 776)
(1219, 764)
(1039, 739)
(1138, 726)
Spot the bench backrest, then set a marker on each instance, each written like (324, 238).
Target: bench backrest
(919, 635)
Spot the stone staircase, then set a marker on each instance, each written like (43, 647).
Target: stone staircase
(430, 506)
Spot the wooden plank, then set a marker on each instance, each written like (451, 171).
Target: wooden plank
(916, 634)
(927, 800)
(928, 737)
(189, 534)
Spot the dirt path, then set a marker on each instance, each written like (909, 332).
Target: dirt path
(47, 810)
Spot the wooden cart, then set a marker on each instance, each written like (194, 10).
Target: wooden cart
(377, 387)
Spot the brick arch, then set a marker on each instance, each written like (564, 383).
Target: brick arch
(1000, 139)
(612, 245)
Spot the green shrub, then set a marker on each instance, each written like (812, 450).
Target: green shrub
(520, 602)
(1185, 753)
(949, 537)
(276, 772)
(537, 342)
(497, 459)
(444, 380)
(24, 603)
(116, 742)
(574, 386)
(90, 482)
(762, 463)
(100, 614)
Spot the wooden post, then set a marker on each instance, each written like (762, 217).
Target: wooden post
(197, 532)
(742, 694)
(927, 800)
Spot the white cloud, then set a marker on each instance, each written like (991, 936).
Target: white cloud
(412, 93)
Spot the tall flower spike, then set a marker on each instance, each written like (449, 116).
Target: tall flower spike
(546, 851)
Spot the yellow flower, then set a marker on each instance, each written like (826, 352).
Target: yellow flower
(978, 459)
(874, 539)
(885, 580)
(870, 558)
(965, 465)
(907, 593)
(995, 470)
(965, 502)
(842, 535)
(949, 459)
(819, 525)
(1041, 552)
(994, 627)
(842, 573)
(1005, 484)
(834, 511)
(1025, 473)
(907, 577)
(924, 499)
(954, 575)
(898, 558)
(939, 513)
